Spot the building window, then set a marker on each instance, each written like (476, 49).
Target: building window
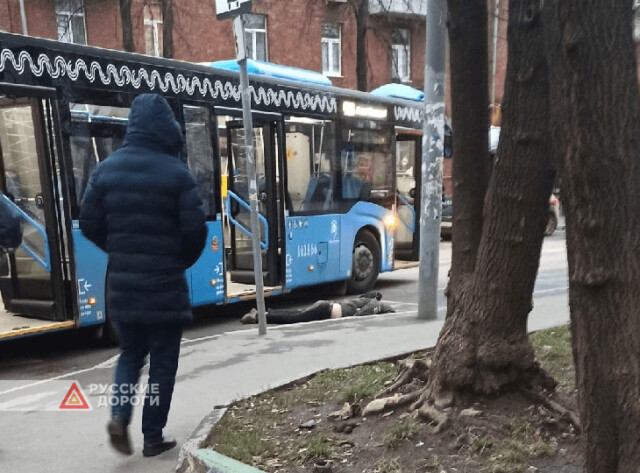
(401, 54)
(153, 30)
(255, 33)
(70, 18)
(331, 49)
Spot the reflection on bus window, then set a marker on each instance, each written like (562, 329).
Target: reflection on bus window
(20, 157)
(405, 166)
(367, 161)
(310, 158)
(21, 180)
(197, 121)
(239, 180)
(96, 132)
(222, 152)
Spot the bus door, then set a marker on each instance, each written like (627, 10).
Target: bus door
(408, 149)
(36, 275)
(240, 263)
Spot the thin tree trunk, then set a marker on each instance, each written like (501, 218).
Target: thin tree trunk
(127, 28)
(167, 28)
(484, 344)
(596, 123)
(362, 18)
(469, 119)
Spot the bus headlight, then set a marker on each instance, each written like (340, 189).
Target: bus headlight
(390, 221)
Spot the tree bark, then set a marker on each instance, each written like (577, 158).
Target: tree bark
(484, 344)
(469, 120)
(595, 118)
(167, 28)
(127, 28)
(362, 18)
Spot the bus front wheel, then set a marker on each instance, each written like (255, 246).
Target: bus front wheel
(366, 263)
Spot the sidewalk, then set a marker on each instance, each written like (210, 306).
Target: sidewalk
(214, 372)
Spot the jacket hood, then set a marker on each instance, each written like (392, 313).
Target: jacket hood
(152, 124)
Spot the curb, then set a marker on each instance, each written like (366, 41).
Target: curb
(189, 458)
(195, 458)
(218, 463)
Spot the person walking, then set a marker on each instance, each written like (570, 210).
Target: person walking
(142, 208)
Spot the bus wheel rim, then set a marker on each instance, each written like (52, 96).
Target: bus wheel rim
(363, 262)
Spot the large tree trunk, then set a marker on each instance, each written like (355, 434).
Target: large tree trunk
(484, 344)
(469, 119)
(596, 125)
(167, 28)
(127, 28)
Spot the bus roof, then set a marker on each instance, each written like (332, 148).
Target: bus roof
(276, 71)
(399, 91)
(82, 72)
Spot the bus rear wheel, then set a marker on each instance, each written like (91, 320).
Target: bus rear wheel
(366, 263)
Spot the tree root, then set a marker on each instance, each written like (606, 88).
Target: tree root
(553, 406)
(410, 369)
(382, 404)
(432, 414)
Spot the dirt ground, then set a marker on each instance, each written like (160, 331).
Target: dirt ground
(300, 431)
(497, 439)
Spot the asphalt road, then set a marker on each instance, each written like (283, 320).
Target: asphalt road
(51, 355)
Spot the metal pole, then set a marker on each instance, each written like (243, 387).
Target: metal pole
(432, 152)
(251, 172)
(496, 18)
(23, 18)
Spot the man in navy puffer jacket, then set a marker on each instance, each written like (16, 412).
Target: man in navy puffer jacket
(142, 208)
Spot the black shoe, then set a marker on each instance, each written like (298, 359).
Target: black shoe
(372, 295)
(151, 449)
(119, 436)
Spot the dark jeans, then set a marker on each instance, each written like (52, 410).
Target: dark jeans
(162, 344)
(319, 311)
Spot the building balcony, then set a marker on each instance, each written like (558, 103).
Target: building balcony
(407, 8)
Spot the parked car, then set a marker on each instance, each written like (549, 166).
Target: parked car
(446, 222)
(554, 214)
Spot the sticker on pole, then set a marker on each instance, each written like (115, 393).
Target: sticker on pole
(230, 8)
(75, 399)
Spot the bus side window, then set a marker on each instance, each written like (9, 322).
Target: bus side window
(96, 132)
(367, 162)
(298, 166)
(310, 172)
(200, 156)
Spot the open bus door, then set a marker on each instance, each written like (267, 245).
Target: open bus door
(36, 285)
(408, 154)
(240, 263)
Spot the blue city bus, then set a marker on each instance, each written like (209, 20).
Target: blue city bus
(335, 172)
